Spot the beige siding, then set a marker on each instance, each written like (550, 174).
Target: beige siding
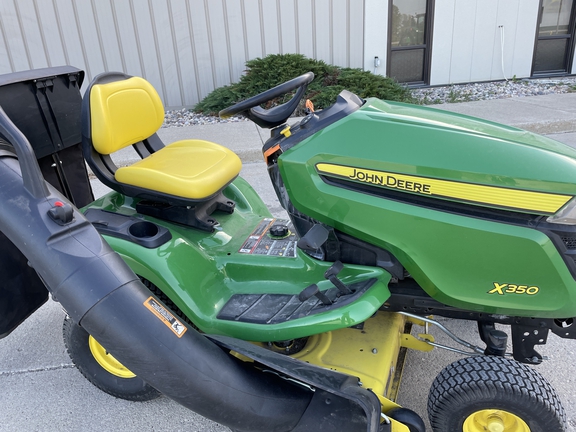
(186, 48)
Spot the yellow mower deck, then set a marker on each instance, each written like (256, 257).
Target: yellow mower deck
(375, 354)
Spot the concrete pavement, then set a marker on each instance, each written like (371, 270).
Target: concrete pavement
(41, 391)
(548, 114)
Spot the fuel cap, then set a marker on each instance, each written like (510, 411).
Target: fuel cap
(279, 230)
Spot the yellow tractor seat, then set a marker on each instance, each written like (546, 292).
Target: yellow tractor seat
(182, 182)
(193, 169)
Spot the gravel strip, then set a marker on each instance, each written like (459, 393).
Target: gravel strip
(493, 90)
(426, 96)
(185, 117)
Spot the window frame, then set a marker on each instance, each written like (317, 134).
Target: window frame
(427, 46)
(569, 50)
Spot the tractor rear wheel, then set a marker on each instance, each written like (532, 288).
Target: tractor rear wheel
(493, 394)
(101, 368)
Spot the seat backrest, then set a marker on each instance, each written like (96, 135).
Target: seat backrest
(123, 112)
(119, 110)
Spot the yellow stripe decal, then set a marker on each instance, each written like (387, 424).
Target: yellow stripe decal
(491, 195)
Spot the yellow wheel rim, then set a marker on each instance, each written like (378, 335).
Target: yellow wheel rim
(492, 420)
(107, 360)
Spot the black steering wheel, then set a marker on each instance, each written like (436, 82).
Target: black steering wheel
(269, 118)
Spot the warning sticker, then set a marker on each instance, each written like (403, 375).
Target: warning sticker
(165, 316)
(272, 237)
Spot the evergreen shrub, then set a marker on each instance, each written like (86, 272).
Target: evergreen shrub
(264, 73)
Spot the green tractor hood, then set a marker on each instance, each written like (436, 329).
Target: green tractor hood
(462, 203)
(454, 157)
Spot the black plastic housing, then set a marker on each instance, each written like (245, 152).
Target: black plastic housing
(44, 104)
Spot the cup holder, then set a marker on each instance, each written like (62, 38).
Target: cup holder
(143, 230)
(135, 230)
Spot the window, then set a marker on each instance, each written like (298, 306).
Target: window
(554, 38)
(410, 35)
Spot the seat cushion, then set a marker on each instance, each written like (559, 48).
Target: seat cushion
(193, 169)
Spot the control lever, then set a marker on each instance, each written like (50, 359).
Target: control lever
(332, 273)
(311, 291)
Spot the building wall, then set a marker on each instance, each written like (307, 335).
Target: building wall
(185, 48)
(467, 40)
(376, 35)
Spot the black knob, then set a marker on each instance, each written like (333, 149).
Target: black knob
(279, 230)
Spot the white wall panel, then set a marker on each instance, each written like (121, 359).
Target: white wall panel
(322, 29)
(186, 48)
(305, 25)
(108, 35)
(527, 22)
(463, 42)
(74, 51)
(442, 39)
(219, 42)
(35, 48)
(340, 29)
(271, 26)
(50, 31)
(375, 34)
(486, 34)
(288, 26)
(184, 53)
(13, 36)
(467, 40)
(356, 33)
(163, 33)
(237, 47)
(87, 33)
(5, 64)
(125, 31)
(253, 30)
(506, 39)
(202, 48)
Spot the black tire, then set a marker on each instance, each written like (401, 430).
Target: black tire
(471, 387)
(408, 418)
(133, 388)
